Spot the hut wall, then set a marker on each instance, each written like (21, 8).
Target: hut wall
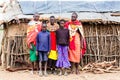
(1, 37)
(17, 29)
(1, 34)
(15, 48)
(103, 43)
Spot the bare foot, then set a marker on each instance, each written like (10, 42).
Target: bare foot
(77, 72)
(72, 72)
(40, 73)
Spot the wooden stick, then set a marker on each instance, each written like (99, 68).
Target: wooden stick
(97, 45)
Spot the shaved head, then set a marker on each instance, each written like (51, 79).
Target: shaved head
(74, 13)
(74, 16)
(36, 16)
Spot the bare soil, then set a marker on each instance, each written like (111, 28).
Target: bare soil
(26, 75)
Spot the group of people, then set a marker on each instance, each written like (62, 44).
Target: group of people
(58, 46)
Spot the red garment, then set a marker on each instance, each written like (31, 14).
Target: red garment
(84, 47)
(32, 32)
(72, 44)
(53, 40)
(75, 54)
(72, 22)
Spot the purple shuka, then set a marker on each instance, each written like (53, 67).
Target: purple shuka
(63, 57)
(62, 37)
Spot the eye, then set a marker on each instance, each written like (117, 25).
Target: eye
(74, 16)
(61, 23)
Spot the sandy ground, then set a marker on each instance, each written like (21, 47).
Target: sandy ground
(25, 75)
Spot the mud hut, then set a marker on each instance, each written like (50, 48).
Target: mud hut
(101, 28)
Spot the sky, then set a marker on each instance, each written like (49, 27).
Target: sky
(70, 0)
(60, 0)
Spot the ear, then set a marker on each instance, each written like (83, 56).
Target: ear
(33, 16)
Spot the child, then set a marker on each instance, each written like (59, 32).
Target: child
(62, 37)
(43, 47)
(52, 26)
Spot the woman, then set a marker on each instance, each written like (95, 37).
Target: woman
(77, 46)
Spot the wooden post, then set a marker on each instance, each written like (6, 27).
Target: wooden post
(11, 54)
(97, 44)
(3, 57)
(8, 54)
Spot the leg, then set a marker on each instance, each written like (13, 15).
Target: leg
(67, 63)
(76, 66)
(32, 65)
(60, 72)
(65, 73)
(45, 68)
(37, 63)
(45, 59)
(53, 66)
(40, 66)
(72, 67)
(32, 59)
(50, 63)
(40, 63)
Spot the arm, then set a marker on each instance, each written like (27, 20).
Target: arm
(56, 37)
(49, 41)
(56, 40)
(37, 42)
(66, 25)
(83, 41)
(68, 37)
(80, 28)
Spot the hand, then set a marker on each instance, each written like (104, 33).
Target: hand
(48, 53)
(30, 46)
(68, 47)
(36, 53)
(57, 48)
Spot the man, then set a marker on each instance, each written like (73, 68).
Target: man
(43, 48)
(34, 26)
(77, 46)
(52, 27)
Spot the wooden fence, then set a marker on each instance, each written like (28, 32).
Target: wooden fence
(103, 43)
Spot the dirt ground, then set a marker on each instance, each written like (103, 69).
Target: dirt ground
(25, 75)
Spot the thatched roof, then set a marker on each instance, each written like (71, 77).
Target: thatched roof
(9, 11)
(87, 11)
(115, 14)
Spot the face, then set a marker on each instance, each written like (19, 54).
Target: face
(36, 17)
(43, 28)
(62, 23)
(52, 20)
(73, 17)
